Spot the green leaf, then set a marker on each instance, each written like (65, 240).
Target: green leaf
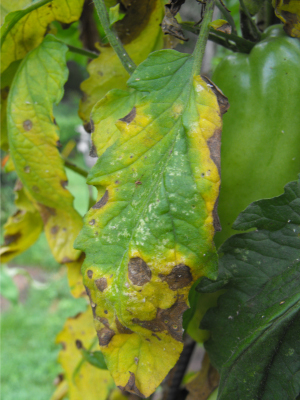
(33, 138)
(8, 288)
(255, 341)
(24, 30)
(115, 14)
(22, 229)
(95, 358)
(150, 236)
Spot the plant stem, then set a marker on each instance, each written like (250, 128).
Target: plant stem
(227, 16)
(83, 52)
(250, 19)
(203, 37)
(112, 37)
(75, 168)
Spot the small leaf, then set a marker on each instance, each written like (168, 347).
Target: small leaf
(221, 25)
(149, 237)
(255, 342)
(289, 13)
(33, 138)
(84, 380)
(115, 14)
(22, 229)
(140, 32)
(95, 358)
(8, 288)
(24, 30)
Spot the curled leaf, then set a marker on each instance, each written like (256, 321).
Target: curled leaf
(170, 25)
(289, 13)
(149, 237)
(221, 25)
(33, 138)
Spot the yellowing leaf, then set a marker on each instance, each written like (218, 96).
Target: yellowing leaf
(23, 30)
(139, 30)
(84, 380)
(22, 229)
(221, 25)
(75, 277)
(289, 13)
(8, 6)
(33, 136)
(150, 236)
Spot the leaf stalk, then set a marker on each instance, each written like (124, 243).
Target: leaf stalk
(75, 168)
(113, 38)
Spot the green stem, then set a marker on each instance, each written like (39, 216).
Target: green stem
(83, 52)
(250, 19)
(75, 168)
(203, 37)
(227, 16)
(112, 37)
(17, 15)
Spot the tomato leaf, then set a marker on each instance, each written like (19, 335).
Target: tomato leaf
(289, 13)
(255, 340)
(23, 30)
(149, 237)
(33, 138)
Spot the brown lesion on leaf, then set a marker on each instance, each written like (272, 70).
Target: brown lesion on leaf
(8, 239)
(54, 229)
(170, 25)
(121, 328)
(92, 222)
(102, 201)
(178, 278)
(27, 125)
(214, 145)
(131, 386)
(129, 117)
(221, 98)
(46, 212)
(216, 219)
(105, 335)
(169, 320)
(93, 151)
(101, 284)
(66, 260)
(89, 273)
(63, 184)
(93, 305)
(138, 271)
(89, 126)
(157, 337)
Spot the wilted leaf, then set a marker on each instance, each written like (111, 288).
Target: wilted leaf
(204, 383)
(22, 229)
(255, 341)
(24, 30)
(84, 380)
(150, 236)
(170, 25)
(221, 25)
(139, 30)
(289, 13)
(33, 137)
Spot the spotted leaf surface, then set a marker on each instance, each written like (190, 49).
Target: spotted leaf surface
(24, 29)
(84, 381)
(150, 236)
(289, 13)
(33, 138)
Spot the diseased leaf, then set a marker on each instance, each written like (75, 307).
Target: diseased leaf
(22, 229)
(24, 30)
(33, 137)
(149, 237)
(75, 277)
(258, 318)
(84, 380)
(140, 32)
(221, 25)
(289, 13)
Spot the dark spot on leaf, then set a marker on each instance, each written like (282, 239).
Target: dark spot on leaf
(89, 126)
(169, 320)
(88, 292)
(46, 212)
(92, 222)
(104, 321)
(64, 184)
(54, 121)
(222, 100)
(93, 151)
(89, 273)
(122, 328)
(4, 93)
(78, 344)
(117, 182)
(58, 144)
(102, 201)
(216, 219)
(157, 337)
(131, 387)
(138, 271)
(8, 239)
(105, 335)
(148, 340)
(27, 169)
(129, 117)
(214, 145)
(27, 125)
(105, 312)
(66, 260)
(178, 278)
(54, 229)
(101, 284)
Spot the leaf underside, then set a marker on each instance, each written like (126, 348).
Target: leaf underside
(255, 341)
(150, 236)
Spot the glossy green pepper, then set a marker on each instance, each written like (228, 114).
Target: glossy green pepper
(261, 133)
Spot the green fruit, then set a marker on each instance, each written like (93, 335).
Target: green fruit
(261, 134)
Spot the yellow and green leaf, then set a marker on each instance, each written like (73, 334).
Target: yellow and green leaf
(23, 30)
(150, 236)
(84, 380)
(289, 13)
(33, 137)
(22, 229)
(141, 34)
